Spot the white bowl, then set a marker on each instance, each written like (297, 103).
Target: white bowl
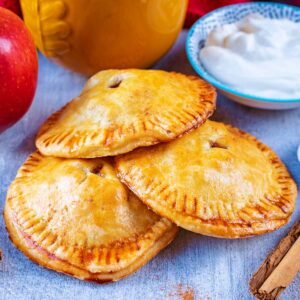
(232, 14)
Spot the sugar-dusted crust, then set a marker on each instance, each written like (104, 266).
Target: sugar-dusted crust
(74, 216)
(216, 180)
(120, 110)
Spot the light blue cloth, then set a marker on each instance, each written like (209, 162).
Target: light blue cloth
(214, 268)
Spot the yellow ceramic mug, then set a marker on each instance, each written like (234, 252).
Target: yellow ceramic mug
(91, 35)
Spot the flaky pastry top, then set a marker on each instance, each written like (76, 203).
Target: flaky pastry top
(120, 110)
(216, 180)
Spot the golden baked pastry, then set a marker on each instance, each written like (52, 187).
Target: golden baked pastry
(216, 180)
(120, 110)
(74, 216)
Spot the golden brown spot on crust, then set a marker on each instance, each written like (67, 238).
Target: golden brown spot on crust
(195, 203)
(184, 203)
(108, 257)
(93, 135)
(163, 188)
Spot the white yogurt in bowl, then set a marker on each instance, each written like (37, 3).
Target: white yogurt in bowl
(256, 56)
(256, 35)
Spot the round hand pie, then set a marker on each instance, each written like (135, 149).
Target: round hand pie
(75, 216)
(216, 180)
(120, 110)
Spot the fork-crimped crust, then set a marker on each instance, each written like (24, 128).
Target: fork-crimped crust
(120, 110)
(74, 216)
(216, 180)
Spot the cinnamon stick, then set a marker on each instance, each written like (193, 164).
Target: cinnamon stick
(279, 268)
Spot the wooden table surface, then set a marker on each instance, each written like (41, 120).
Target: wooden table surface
(208, 268)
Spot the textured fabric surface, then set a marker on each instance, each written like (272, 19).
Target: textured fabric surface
(208, 268)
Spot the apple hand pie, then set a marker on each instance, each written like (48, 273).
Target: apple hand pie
(120, 110)
(216, 180)
(75, 216)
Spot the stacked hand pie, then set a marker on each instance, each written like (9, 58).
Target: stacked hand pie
(76, 209)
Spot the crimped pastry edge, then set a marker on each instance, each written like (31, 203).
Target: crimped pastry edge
(64, 267)
(220, 228)
(55, 144)
(140, 249)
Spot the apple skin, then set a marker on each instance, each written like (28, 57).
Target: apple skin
(13, 5)
(18, 68)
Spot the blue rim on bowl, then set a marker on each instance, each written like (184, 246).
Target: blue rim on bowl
(196, 64)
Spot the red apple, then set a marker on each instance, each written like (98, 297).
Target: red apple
(13, 5)
(292, 2)
(18, 68)
(198, 8)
